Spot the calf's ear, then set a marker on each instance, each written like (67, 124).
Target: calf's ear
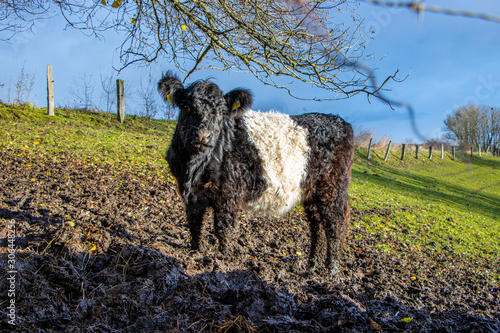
(169, 87)
(238, 100)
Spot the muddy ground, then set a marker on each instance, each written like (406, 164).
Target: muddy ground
(100, 251)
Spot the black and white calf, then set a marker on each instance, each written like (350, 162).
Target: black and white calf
(230, 158)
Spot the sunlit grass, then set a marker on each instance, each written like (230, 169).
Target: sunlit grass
(137, 145)
(441, 204)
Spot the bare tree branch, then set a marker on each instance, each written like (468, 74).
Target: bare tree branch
(279, 41)
(20, 16)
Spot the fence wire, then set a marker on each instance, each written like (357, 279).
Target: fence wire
(420, 8)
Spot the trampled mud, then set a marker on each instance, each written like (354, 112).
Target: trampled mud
(100, 251)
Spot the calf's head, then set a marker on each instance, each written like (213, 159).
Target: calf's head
(203, 108)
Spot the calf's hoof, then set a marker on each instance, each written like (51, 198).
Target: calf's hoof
(334, 267)
(197, 247)
(224, 248)
(314, 264)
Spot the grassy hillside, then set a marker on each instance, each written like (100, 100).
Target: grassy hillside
(138, 145)
(443, 204)
(439, 204)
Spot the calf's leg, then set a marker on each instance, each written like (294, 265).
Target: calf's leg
(195, 225)
(328, 214)
(335, 215)
(225, 221)
(316, 256)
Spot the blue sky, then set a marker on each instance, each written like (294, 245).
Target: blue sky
(449, 60)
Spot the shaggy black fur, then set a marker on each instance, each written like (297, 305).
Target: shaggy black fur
(329, 172)
(216, 165)
(222, 172)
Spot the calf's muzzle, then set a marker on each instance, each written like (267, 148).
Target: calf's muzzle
(202, 137)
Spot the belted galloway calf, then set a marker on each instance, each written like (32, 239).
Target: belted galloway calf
(228, 157)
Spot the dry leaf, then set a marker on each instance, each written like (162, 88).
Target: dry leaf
(375, 325)
(116, 3)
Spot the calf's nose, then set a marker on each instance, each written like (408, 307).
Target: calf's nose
(203, 137)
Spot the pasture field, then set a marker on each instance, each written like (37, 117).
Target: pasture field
(441, 204)
(137, 145)
(102, 245)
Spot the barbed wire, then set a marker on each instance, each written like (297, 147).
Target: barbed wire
(420, 8)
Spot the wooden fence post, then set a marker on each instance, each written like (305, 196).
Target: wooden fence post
(479, 150)
(387, 152)
(442, 151)
(416, 151)
(50, 91)
(403, 149)
(120, 104)
(370, 148)
(453, 152)
(470, 151)
(430, 152)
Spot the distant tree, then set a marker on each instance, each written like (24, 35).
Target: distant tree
(108, 92)
(474, 125)
(437, 142)
(148, 97)
(82, 90)
(169, 111)
(24, 86)
(362, 136)
(495, 127)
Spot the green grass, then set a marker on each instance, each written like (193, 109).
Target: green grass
(137, 145)
(439, 204)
